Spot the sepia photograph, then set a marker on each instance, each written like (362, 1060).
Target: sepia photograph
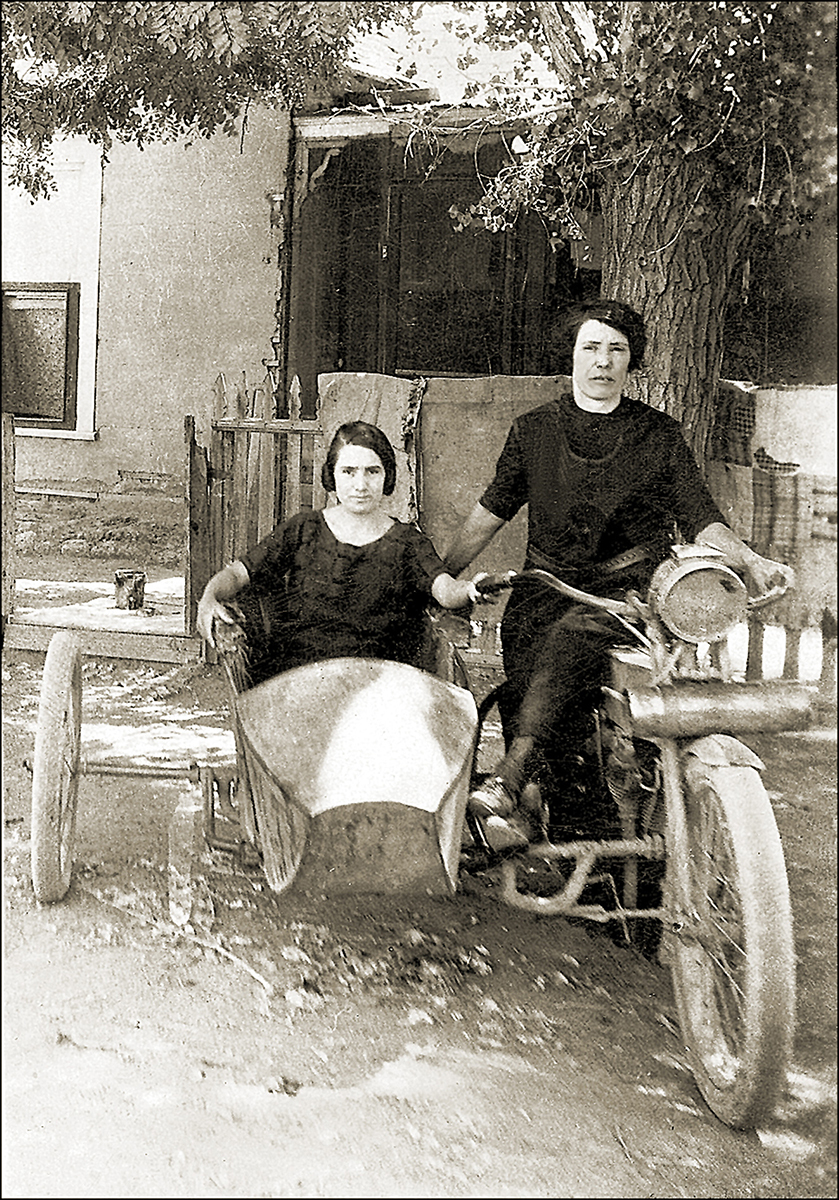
(419, 599)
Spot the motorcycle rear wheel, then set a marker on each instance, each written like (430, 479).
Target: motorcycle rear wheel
(732, 956)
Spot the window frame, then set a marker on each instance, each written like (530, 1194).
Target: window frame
(72, 291)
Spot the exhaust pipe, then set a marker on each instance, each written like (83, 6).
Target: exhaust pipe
(693, 709)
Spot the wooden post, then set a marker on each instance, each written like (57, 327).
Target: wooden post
(8, 547)
(827, 679)
(266, 505)
(792, 650)
(227, 496)
(754, 660)
(237, 508)
(319, 449)
(294, 456)
(216, 480)
(199, 548)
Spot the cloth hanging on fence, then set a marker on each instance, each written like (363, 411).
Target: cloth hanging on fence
(732, 488)
(782, 531)
(773, 512)
(392, 404)
(734, 424)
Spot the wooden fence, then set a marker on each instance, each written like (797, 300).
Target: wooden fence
(256, 472)
(790, 516)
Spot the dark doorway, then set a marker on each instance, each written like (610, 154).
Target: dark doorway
(382, 281)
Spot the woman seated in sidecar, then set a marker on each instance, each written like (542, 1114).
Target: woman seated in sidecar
(345, 581)
(353, 765)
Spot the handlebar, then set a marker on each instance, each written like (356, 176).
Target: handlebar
(492, 584)
(769, 597)
(496, 583)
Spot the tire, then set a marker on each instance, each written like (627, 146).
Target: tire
(732, 955)
(55, 776)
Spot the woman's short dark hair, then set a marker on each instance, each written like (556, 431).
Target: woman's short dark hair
(359, 433)
(610, 312)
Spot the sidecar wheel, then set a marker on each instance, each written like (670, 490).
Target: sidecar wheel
(732, 954)
(55, 773)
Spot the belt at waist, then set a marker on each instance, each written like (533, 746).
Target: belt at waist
(611, 566)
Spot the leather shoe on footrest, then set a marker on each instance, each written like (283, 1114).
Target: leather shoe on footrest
(507, 833)
(492, 798)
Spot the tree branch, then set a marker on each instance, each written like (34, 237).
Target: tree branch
(564, 43)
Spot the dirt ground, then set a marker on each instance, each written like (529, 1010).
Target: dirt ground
(296, 1046)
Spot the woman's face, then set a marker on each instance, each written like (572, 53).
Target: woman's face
(601, 361)
(359, 479)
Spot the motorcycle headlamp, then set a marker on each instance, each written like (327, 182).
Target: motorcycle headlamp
(697, 597)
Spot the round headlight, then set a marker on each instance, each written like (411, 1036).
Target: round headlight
(700, 600)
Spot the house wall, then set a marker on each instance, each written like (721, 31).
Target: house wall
(187, 280)
(187, 275)
(57, 241)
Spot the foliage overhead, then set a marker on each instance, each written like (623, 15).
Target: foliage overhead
(144, 71)
(739, 94)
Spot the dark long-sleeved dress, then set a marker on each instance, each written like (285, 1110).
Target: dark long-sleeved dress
(595, 485)
(313, 597)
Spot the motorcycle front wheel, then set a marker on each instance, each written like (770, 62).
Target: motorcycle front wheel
(732, 954)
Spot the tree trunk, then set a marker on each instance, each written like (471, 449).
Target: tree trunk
(672, 258)
(670, 248)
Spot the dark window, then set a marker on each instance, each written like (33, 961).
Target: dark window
(41, 353)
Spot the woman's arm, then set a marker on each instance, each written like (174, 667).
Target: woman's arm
(223, 586)
(477, 530)
(764, 573)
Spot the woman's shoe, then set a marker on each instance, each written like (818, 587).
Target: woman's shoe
(505, 833)
(492, 798)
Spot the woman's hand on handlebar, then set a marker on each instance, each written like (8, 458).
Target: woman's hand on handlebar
(769, 579)
(486, 586)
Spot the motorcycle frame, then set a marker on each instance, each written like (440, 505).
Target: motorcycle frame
(638, 702)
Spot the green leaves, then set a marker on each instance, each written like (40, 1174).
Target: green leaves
(137, 71)
(744, 92)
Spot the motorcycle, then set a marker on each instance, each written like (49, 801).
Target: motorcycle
(693, 826)
(327, 791)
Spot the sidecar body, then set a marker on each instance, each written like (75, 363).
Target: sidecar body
(354, 775)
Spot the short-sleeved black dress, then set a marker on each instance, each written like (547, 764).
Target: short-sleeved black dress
(313, 597)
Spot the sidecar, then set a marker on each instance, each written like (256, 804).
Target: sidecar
(352, 773)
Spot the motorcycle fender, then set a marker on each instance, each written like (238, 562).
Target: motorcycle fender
(723, 750)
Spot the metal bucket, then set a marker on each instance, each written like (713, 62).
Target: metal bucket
(130, 587)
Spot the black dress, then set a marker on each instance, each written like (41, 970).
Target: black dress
(313, 597)
(595, 485)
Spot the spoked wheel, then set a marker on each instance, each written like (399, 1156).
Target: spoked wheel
(732, 957)
(55, 776)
